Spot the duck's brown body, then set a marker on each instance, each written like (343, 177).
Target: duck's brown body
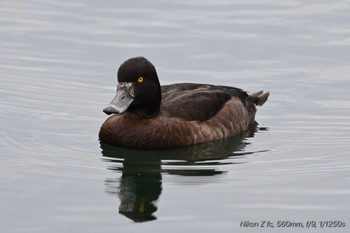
(173, 128)
(187, 114)
(162, 131)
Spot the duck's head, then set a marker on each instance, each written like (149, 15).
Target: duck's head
(138, 89)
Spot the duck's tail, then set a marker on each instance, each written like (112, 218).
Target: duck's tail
(258, 98)
(255, 99)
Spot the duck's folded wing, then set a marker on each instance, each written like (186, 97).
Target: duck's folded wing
(194, 105)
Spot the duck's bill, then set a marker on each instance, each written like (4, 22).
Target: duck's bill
(121, 101)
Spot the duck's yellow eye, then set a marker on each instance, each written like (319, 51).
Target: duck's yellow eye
(140, 80)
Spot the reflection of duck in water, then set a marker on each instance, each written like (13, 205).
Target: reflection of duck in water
(150, 116)
(139, 189)
(141, 182)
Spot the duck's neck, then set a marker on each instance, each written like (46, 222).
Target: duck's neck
(145, 112)
(147, 107)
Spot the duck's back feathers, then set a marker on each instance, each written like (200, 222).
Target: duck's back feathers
(197, 102)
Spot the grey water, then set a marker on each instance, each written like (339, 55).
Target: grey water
(58, 63)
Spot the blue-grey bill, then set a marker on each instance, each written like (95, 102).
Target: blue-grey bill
(121, 101)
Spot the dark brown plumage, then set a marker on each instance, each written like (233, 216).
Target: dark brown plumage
(174, 115)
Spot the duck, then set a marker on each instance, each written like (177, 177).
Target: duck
(148, 116)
